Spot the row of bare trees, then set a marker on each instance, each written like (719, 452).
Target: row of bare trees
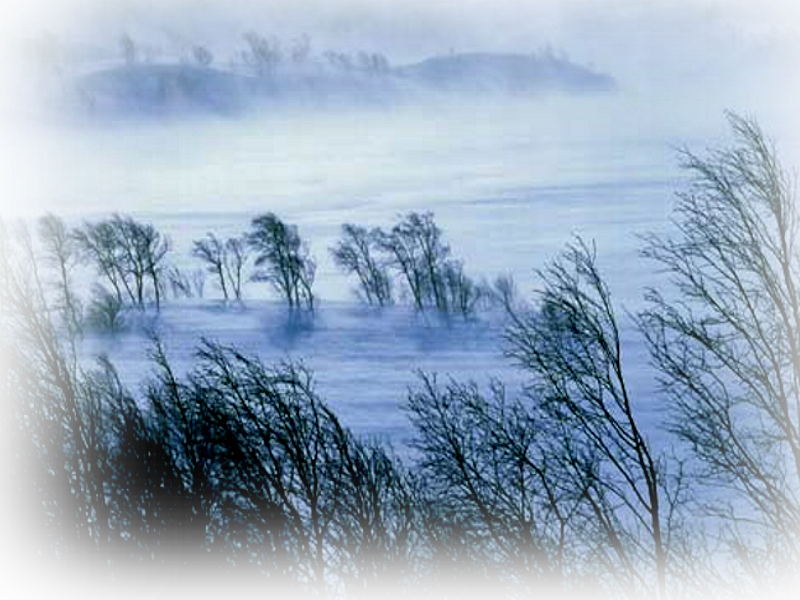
(132, 260)
(413, 253)
(561, 487)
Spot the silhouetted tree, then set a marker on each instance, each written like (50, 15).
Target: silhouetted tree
(417, 251)
(236, 257)
(301, 49)
(462, 293)
(60, 464)
(61, 253)
(105, 310)
(355, 253)
(263, 54)
(211, 251)
(415, 247)
(128, 254)
(144, 249)
(626, 498)
(202, 56)
(487, 462)
(283, 259)
(99, 244)
(726, 339)
(226, 260)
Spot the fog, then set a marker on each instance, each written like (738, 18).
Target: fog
(511, 171)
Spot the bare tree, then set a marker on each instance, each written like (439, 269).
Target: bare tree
(461, 292)
(237, 255)
(434, 253)
(286, 430)
(57, 422)
(282, 258)
(99, 244)
(129, 254)
(417, 251)
(571, 348)
(503, 292)
(143, 249)
(202, 56)
(226, 259)
(61, 253)
(105, 311)
(19, 245)
(355, 253)
(301, 49)
(728, 348)
(488, 462)
(263, 54)
(415, 247)
(211, 251)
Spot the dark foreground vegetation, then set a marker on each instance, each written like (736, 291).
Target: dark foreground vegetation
(238, 471)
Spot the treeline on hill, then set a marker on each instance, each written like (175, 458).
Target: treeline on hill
(150, 75)
(241, 470)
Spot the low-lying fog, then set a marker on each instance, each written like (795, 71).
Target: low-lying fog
(510, 178)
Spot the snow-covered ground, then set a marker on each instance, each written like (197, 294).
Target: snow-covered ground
(509, 184)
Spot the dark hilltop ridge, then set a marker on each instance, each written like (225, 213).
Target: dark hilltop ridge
(514, 73)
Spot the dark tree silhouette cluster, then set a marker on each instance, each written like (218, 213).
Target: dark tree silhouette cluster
(282, 258)
(129, 255)
(414, 253)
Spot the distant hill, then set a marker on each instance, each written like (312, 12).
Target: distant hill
(154, 88)
(515, 73)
